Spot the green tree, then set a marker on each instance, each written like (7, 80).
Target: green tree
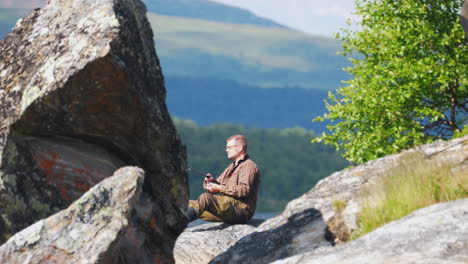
(409, 82)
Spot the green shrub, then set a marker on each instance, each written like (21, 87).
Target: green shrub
(462, 133)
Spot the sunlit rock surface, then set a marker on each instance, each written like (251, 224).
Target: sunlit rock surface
(435, 234)
(88, 231)
(82, 94)
(200, 244)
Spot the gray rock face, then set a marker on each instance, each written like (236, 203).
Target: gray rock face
(82, 94)
(88, 231)
(299, 233)
(312, 223)
(435, 234)
(200, 244)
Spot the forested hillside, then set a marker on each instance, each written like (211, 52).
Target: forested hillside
(290, 165)
(210, 100)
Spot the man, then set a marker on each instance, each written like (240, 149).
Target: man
(232, 197)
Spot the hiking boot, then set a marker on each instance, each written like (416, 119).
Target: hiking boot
(192, 214)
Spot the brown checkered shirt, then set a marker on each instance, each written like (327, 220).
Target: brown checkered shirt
(241, 181)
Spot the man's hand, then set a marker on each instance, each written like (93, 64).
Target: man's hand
(213, 187)
(208, 178)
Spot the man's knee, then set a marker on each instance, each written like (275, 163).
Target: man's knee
(204, 199)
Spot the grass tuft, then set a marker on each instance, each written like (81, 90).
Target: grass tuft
(339, 205)
(415, 183)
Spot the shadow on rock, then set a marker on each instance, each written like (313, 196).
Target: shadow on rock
(296, 235)
(221, 226)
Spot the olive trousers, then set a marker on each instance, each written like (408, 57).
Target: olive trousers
(216, 208)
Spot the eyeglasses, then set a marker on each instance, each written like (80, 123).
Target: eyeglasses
(230, 147)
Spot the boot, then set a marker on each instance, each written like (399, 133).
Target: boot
(192, 214)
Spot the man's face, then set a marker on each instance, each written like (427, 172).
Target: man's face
(233, 150)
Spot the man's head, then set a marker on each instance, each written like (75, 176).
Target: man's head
(236, 147)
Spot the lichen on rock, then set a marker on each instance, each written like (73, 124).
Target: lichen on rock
(82, 94)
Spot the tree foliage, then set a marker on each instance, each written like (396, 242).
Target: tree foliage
(409, 82)
(289, 165)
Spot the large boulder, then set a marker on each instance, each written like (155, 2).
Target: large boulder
(435, 234)
(81, 95)
(88, 231)
(321, 218)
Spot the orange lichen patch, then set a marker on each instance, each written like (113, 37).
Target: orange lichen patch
(70, 168)
(46, 161)
(71, 182)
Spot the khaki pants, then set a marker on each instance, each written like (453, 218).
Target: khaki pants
(217, 208)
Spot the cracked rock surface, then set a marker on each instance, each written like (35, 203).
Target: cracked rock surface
(88, 231)
(435, 234)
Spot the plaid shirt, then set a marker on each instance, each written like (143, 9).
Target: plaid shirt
(241, 181)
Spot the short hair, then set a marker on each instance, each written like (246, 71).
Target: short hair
(240, 139)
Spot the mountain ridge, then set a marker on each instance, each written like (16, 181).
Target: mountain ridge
(258, 56)
(208, 10)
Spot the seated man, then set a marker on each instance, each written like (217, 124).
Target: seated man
(232, 197)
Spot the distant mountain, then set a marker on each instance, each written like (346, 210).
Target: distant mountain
(207, 10)
(258, 56)
(255, 55)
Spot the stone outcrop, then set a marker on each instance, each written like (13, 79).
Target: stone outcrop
(88, 231)
(435, 234)
(298, 233)
(314, 221)
(200, 244)
(82, 94)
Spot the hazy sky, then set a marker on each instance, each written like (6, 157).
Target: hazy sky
(323, 17)
(311, 16)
